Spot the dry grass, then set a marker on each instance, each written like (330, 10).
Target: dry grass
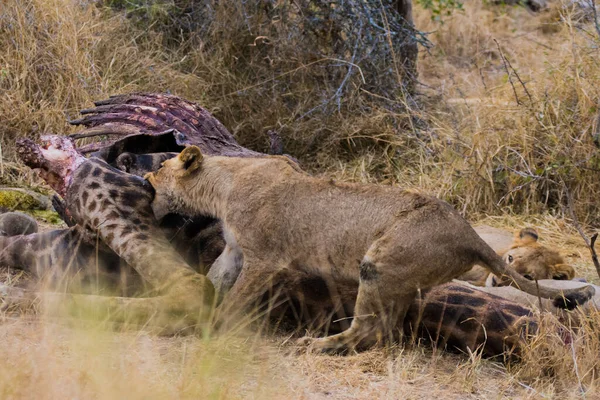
(503, 161)
(515, 153)
(58, 56)
(485, 148)
(43, 359)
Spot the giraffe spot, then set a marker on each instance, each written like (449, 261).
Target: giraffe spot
(144, 213)
(92, 206)
(115, 179)
(132, 198)
(97, 172)
(84, 198)
(462, 289)
(84, 169)
(114, 194)
(113, 215)
(498, 322)
(110, 237)
(469, 301)
(127, 230)
(453, 314)
(125, 214)
(516, 309)
(142, 236)
(94, 185)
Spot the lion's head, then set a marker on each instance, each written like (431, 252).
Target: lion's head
(532, 260)
(172, 180)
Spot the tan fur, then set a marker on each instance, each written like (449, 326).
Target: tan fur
(387, 241)
(526, 256)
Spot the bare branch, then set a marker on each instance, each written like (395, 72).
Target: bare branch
(595, 13)
(508, 65)
(590, 243)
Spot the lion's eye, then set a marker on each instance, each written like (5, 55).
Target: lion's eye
(528, 277)
(510, 258)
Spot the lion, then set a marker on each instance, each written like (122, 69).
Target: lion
(279, 221)
(524, 254)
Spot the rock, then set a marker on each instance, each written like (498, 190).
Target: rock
(23, 200)
(16, 223)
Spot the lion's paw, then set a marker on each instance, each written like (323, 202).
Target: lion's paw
(305, 341)
(326, 345)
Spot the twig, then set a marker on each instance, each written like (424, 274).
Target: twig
(508, 73)
(507, 64)
(537, 286)
(576, 368)
(596, 130)
(590, 243)
(595, 12)
(593, 252)
(296, 70)
(520, 80)
(338, 92)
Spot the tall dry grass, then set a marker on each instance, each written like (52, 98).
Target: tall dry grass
(515, 147)
(468, 139)
(57, 56)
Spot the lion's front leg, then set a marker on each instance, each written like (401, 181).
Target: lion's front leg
(256, 278)
(225, 270)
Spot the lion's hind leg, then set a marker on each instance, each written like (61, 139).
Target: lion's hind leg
(394, 268)
(381, 305)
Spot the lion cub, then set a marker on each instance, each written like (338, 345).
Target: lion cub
(279, 221)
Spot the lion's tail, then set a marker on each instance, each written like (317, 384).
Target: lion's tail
(567, 298)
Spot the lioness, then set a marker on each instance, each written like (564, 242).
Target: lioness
(524, 254)
(388, 241)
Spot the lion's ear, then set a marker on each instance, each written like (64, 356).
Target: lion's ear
(563, 272)
(526, 236)
(191, 157)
